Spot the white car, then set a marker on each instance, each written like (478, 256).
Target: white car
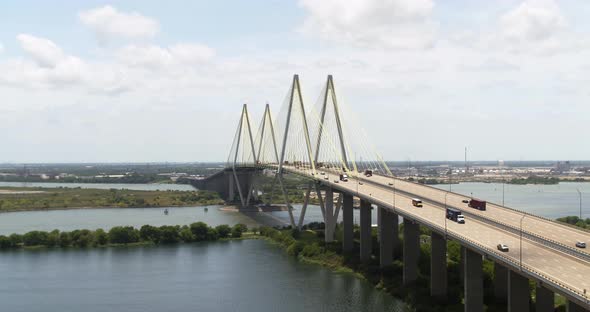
(503, 247)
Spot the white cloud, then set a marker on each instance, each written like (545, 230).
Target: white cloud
(108, 23)
(44, 51)
(532, 21)
(153, 56)
(397, 24)
(534, 27)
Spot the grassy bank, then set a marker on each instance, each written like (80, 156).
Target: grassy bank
(122, 235)
(21, 198)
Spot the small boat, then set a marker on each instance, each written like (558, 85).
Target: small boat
(166, 211)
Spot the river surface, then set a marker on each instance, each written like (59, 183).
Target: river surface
(249, 275)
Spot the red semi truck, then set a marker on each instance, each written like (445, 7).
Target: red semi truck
(477, 204)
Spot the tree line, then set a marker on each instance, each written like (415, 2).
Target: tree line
(165, 234)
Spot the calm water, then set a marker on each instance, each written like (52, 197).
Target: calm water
(67, 220)
(105, 186)
(246, 275)
(551, 201)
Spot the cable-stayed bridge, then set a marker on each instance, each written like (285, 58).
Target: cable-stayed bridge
(326, 146)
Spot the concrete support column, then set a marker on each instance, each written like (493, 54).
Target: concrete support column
(365, 227)
(518, 292)
(473, 282)
(328, 218)
(500, 282)
(573, 307)
(545, 299)
(347, 222)
(462, 266)
(438, 266)
(395, 229)
(386, 237)
(411, 251)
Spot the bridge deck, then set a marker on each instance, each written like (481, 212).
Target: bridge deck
(548, 254)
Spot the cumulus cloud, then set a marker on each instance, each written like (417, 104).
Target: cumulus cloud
(536, 27)
(398, 24)
(44, 51)
(532, 21)
(153, 56)
(108, 23)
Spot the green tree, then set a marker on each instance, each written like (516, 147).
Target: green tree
(82, 238)
(223, 230)
(101, 237)
(186, 235)
(149, 233)
(5, 242)
(169, 234)
(238, 229)
(15, 239)
(199, 230)
(212, 234)
(64, 239)
(123, 235)
(35, 238)
(53, 238)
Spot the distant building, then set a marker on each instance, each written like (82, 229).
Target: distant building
(562, 167)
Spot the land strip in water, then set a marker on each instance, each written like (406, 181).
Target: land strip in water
(27, 199)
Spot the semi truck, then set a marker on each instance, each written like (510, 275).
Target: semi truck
(416, 202)
(455, 215)
(477, 204)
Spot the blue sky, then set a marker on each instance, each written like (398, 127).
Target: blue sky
(95, 81)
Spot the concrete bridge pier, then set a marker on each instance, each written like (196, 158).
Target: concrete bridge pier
(545, 299)
(518, 292)
(500, 282)
(328, 218)
(473, 283)
(347, 223)
(385, 237)
(411, 251)
(365, 227)
(438, 266)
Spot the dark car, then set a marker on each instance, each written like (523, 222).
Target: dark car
(503, 247)
(465, 201)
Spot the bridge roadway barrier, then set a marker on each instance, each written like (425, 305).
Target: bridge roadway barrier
(549, 242)
(576, 297)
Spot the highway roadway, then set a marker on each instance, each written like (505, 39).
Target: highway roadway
(566, 270)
